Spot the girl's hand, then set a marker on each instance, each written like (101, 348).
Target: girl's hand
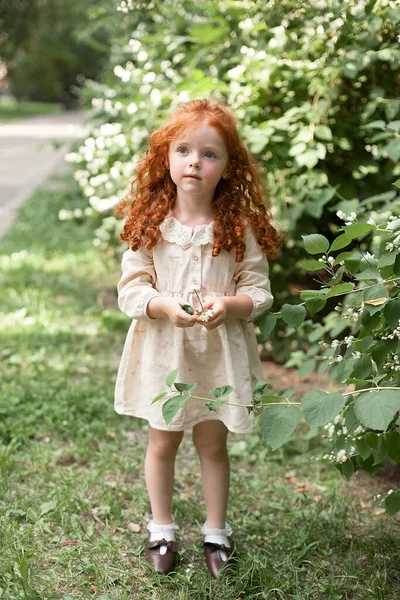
(173, 310)
(218, 307)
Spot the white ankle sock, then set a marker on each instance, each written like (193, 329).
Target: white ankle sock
(217, 536)
(158, 532)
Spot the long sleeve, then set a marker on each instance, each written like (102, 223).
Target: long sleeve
(251, 277)
(136, 286)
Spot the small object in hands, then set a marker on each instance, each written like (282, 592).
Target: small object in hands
(206, 315)
(187, 308)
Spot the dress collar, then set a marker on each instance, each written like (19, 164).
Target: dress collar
(174, 231)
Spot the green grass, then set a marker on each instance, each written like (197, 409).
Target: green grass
(72, 479)
(11, 109)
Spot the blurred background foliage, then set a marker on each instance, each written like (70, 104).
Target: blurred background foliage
(49, 47)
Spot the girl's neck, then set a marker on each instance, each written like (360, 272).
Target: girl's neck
(193, 214)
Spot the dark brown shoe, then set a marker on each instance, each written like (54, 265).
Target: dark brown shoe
(217, 556)
(163, 563)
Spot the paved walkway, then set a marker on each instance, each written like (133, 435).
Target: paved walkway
(28, 156)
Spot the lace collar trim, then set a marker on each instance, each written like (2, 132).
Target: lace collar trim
(174, 231)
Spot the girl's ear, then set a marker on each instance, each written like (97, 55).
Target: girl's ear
(226, 173)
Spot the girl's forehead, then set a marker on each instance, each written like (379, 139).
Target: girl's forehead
(202, 132)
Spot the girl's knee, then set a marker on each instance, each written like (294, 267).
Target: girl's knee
(164, 443)
(210, 441)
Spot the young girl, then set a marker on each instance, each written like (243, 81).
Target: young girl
(196, 222)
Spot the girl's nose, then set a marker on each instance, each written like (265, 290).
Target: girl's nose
(195, 162)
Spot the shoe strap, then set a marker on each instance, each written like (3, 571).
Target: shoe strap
(172, 545)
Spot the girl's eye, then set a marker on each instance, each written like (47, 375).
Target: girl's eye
(182, 149)
(209, 155)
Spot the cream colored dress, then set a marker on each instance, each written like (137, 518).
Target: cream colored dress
(226, 355)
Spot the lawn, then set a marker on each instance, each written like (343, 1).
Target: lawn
(73, 505)
(11, 109)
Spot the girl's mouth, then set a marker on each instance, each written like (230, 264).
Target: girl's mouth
(192, 176)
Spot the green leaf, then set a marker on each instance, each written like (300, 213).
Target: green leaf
(308, 159)
(319, 408)
(342, 257)
(158, 397)
(269, 400)
(310, 264)
(315, 243)
(307, 367)
(278, 423)
(374, 125)
(393, 444)
(323, 132)
(215, 404)
(397, 184)
(372, 440)
(392, 503)
(314, 305)
(47, 507)
(395, 125)
(351, 420)
(171, 377)
(258, 389)
(386, 259)
(293, 314)
(297, 149)
(381, 453)
(172, 406)
(368, 274)
(311, 294)
(221, 391)
(357, 229)
(342, 288)
(391, 312)
(340, 242)
(185, 387)
(267, 325)
(187, 308)
(396, 267)
(347, 468)
(362, 367)
(363, 448)
(392, 149)
(374, 293)
(377, 409)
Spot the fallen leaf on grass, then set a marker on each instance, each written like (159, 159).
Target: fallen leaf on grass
(134, 527)
(302, 488)
(379, 511)
(71, 543)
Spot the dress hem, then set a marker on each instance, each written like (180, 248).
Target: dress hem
(187, 426)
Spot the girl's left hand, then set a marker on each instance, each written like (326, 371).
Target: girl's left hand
(218, 307)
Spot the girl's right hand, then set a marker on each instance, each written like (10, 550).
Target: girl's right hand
(173, 310)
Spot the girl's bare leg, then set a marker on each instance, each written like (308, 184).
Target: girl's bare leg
(159, 472)
(210, 439)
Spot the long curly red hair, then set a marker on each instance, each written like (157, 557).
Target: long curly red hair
(240, 198)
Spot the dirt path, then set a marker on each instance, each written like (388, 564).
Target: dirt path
(30, 150)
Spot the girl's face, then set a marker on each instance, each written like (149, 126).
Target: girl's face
(197, 161)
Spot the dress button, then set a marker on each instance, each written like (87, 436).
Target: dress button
(195, 281)
(195, 257)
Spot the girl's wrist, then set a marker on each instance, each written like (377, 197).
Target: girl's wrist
(156, 308)
(238, 307)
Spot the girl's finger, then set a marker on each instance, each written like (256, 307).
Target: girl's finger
(208, 302)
